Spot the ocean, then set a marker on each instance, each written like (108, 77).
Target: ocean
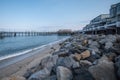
(15, 45)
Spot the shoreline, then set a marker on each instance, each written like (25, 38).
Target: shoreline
(20, 63)
(28, 50)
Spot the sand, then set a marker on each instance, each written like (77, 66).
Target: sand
(19, 65)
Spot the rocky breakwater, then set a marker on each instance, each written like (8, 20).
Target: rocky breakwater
(81, 57)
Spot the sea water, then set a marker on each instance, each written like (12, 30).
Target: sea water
(13, 45)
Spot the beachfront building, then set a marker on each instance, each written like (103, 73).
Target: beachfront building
(96, 24)
(105, 23)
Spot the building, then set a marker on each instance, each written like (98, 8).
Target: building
(105, 23)
(64, 32)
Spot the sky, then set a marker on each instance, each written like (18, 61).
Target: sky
(50, 15)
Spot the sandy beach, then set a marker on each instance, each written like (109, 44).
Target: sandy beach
(18, 65)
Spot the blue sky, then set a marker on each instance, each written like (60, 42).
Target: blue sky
(50, 15)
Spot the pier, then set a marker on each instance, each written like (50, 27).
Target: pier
(14, 34)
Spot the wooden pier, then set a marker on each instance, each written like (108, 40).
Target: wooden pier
(14, 34)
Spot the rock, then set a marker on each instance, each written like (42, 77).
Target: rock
(91, 59)
(63, 55)
(32, 70)
(75, 65)
(104, 70)
(72, 55)
(102, 41)
(74, 50)
(117, 66)
(94, 44)
(77, 57)
(28, 74)
(61, 51)
(63, 73)
(117, 59)
(118, 39)
(66, 62)
(85, 42)
(85, 54)
(94, 50)
(49, 61)
(111, 56)
(40, 75)
(67, 44)
(94, 47)
(95, 37)
(14, 78)
(90, 42)
(102, 36)
(116, 48)
(108, 45)
(111, 38)
(81, 74)
(53, 77)
(118, 73)
(95, 62)
(85, 62)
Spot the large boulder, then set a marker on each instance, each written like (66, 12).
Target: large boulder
(63, 73)
(104, 70)
(66, 62)
(49, 61)
(40, 75)
(81, 73)
(85, 63)
(85, 54)
(32, 70)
